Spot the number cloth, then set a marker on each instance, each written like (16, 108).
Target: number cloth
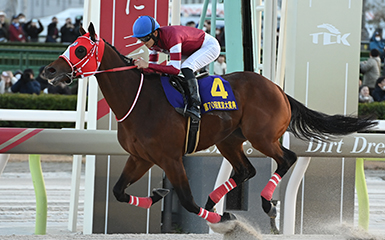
(215, 92)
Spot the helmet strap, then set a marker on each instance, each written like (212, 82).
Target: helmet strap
(155, 38)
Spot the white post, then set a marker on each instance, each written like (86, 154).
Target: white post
(77, 159)
(175, 12)
(223, 176)
(91, 14)
(256, 21)
(269, 39)
(89, 184)
(3, 162)
(291, 194)
(281, 58)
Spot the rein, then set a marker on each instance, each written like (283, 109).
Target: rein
(117, 69)
(135, 100)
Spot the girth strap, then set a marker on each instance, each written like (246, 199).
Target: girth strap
(192, 136)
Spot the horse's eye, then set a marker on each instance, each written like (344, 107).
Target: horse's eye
(80, 52)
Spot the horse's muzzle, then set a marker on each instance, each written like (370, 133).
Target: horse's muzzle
(53, 77)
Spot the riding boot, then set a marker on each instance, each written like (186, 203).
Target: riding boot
(193, 108)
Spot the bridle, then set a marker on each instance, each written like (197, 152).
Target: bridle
(89, 64)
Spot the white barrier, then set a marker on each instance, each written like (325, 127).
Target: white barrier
(38, 115)
(104, 142)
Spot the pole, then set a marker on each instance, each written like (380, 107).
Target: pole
(291, 194)
(3, 162)
(362, 195)
(40, 193)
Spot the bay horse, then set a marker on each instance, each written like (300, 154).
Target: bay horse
(152, 132)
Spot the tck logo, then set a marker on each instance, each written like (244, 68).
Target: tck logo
(334, 36)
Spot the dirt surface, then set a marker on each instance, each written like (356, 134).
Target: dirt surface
(43, 158)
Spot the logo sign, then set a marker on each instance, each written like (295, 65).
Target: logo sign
(330, 36)
(361, 145)
(118, 16)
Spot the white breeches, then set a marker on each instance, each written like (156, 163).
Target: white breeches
(208, 53)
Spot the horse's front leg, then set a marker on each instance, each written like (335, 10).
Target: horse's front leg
(176, 173)
(134, 169)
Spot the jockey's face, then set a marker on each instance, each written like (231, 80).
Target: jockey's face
(149, 42)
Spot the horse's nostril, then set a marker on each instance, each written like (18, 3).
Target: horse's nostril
(51, 70)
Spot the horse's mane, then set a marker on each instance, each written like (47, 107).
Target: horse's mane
(126, 60)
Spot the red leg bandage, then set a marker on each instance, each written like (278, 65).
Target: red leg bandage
(222, 190)
(212, 217)
(268, 191)
(143, 202)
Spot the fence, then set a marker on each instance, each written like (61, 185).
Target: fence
(19, 56)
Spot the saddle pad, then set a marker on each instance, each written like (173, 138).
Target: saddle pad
(215, 92)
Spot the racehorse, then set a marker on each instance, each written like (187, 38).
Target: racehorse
(152, 131)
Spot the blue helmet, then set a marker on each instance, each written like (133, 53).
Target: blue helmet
(144, 26)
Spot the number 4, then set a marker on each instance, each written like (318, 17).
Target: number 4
(221, 92)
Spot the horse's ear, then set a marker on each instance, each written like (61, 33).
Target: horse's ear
(91, 30)
(82, 31)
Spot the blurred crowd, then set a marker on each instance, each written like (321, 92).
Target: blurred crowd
(28, 82)
(372, 71)
(18, 29)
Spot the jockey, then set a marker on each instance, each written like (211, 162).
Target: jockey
(191, 45)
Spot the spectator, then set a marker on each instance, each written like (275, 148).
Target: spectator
(4, 27)
(376, 42)
(191, 24)
(27, 83)
(32, 30)
(21, 18)
(220, 65)
(44, 84)
(78, 24)
(52, 31)
(379, 91)
(22, 21)
(207, 26)
(364, 96)
(18, 74)
(7, 80)
(67, 32)
(371, 69)
(220, 36)
(16, 32)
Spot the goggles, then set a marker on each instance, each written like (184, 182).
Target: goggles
(145, 38)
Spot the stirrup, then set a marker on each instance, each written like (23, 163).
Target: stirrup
(194, 117)
(194, 114)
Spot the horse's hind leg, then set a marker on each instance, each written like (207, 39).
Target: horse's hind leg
(176, 173)
(134, 169)
(285, 159)
(231, 148)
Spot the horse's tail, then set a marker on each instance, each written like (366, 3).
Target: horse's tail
(306, 123)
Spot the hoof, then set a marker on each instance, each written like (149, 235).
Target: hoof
(228, 217)
(161, 192)
(273, 212)
(273, 226)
